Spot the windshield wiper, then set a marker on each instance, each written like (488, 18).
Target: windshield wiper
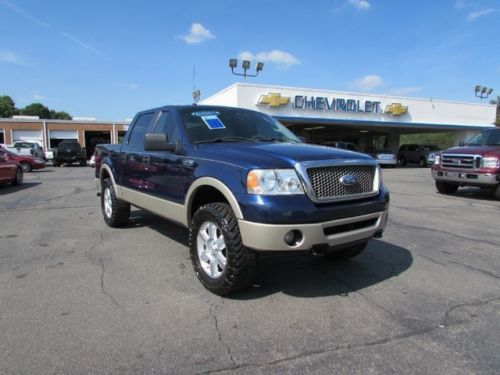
(267, 139)
(225, 139)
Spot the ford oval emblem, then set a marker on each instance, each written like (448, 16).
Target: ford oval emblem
(348, 180)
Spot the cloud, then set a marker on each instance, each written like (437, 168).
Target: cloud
(275, 56)
(197, 34)
(11, 58)
(402, 91)
(472, 16)
(46, 25)
(368, 83)
(360, 4)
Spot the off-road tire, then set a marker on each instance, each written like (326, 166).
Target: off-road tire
(241, 263)
(346, 253)
(402, 161)
(26, 166)
(55, 164)
(83, 163)
(422, 163)
(446, 188)
(119, 212)
(18, 180)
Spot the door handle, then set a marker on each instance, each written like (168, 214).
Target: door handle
(146, 159)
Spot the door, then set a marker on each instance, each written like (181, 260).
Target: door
(133, 170)
(413, 152)
(7, 167)
(167, 174)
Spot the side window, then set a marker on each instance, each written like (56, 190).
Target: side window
(140, 128)
(165, 124)
(413, 148)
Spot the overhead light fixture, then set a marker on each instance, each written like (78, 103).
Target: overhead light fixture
(482, 91)
(233, 63)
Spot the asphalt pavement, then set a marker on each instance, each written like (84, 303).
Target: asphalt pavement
(79, 297)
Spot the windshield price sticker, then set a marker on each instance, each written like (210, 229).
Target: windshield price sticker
(213, 122)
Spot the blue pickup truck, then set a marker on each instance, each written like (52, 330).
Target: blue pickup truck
(243, 184)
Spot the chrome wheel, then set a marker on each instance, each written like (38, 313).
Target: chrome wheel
(19, 176)
(211, 248)
(25, 166)
(108, 203)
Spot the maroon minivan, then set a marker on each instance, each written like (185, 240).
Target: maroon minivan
(10, 170)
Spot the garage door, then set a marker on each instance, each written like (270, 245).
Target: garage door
(27, 135)
(63, 134)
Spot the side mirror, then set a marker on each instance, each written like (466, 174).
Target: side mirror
(158, 142)
(461, 143)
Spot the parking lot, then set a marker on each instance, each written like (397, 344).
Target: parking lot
(79, 297)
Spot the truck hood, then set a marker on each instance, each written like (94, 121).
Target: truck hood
(272, 155)
(476, 150)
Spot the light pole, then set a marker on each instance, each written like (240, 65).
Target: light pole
(233, 63)
(482, 91)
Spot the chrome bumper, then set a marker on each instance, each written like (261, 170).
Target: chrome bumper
(468, 178)
(270, 237)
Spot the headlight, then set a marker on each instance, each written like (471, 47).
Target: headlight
(378, 178)
(490, 162)
(273, 182)
(437, 159)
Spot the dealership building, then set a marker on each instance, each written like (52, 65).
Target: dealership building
(318, 116)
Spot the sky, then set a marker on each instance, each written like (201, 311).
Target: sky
(111, 59)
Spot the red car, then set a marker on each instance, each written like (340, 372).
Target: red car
(27, 163)
(10, 170)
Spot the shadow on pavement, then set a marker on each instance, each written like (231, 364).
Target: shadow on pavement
(474, 193)
(301, 274)
(10, 189)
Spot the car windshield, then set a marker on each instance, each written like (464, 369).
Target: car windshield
(385, 151)
(70, 145)
(24, 145)
(485, 138)
(215, 124)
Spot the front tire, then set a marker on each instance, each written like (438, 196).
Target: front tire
(18, 180)
(26, 166)
(346, 253)
(422, 163)
(446, 188)
(221, 262)
(402, 161)
(496, 193)
(115, 211)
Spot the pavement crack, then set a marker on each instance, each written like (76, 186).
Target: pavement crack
(216, 324)
(103, 289)
(472, 268)
(413, 227)
(448, 319)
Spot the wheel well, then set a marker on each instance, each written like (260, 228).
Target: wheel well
(104, 175)
(205, 195)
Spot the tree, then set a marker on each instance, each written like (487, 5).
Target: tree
(7, 107)
(60, 115)
(36, 109)
(495, 101)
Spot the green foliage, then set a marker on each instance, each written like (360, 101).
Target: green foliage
(61, 115)
(7, 107)
(442, 140)
(36, 109)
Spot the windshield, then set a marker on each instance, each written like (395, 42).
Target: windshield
(430, 148)
(485, 138)
(207, 125)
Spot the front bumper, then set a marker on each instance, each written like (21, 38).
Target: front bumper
(470, 178)
(270, 237)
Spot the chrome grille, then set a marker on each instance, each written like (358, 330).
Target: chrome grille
(326, 185)
(460, 161)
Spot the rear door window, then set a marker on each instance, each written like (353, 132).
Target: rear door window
(140, 128)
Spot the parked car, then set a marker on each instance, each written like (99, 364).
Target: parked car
(27, 148)
(10, 170)
(422, 155)
(69, 151)
(27, 163)
(386, 157)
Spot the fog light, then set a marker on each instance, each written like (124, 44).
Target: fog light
(293, 238)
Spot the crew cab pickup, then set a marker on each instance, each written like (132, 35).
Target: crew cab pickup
(243, 184)
(476, 163)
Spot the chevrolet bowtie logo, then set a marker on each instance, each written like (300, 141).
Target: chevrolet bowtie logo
(273, 100)
(396, 109)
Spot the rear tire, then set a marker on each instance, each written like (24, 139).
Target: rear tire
(115, 211)
(347, 253)
(26, 166)
(55, 164)
(18, 180)
(83, 163)
(422, 163)
(402, 161)
(221, 262)
(446, 187)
